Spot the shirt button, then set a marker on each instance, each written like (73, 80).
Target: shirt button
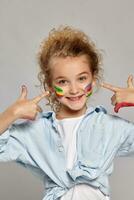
(61, 148)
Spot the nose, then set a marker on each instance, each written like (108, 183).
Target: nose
(73, 89)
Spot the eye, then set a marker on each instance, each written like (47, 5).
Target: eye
(62, 82)
(82, 78)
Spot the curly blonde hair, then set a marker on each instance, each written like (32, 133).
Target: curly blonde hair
(62, 42)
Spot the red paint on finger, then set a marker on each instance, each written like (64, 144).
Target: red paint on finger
(121, 105)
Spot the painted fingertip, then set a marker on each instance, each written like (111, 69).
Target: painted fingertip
(47, 92)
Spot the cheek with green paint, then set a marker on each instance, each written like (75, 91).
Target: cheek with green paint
(59, 91)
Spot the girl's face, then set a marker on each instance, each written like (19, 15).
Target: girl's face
(72, 83)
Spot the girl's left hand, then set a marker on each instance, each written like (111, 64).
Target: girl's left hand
(122, 96)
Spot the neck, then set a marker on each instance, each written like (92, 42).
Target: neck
(70, 113)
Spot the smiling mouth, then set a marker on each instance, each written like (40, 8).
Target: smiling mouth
(75, 98)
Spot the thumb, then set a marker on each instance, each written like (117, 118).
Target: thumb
(23, 92)
(130, 82)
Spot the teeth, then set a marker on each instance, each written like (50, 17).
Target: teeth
(74, 98)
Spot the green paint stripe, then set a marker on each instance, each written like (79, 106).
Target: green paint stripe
(58, 89)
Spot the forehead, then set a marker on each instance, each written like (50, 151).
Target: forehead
(69, 66)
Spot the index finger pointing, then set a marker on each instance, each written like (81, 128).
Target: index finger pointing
(111, 87)
(41, 96)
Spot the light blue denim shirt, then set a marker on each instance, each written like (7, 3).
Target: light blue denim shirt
(37, 145)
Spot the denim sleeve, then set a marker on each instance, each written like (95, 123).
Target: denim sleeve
(126, 131)
(12, 145)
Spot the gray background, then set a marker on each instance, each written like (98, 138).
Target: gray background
(23, 24)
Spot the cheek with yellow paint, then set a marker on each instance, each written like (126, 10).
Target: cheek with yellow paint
(59, 91)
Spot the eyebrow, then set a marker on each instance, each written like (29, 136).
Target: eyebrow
(59, 77)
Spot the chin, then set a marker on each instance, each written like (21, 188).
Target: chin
(76, 108)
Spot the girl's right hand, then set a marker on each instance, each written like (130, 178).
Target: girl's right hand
(24, 108)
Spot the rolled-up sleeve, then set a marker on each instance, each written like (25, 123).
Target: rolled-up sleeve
(126, 129)
(12, 145)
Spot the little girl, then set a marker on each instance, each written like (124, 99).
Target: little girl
(71, 147)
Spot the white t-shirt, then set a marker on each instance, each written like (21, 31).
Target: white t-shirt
(67, 129)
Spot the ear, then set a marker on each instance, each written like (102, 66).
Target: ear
(51, 89)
